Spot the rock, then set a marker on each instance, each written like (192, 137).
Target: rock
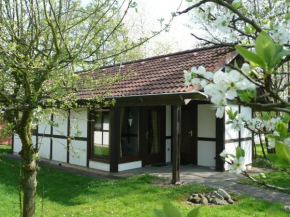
(204, 200)
(230, 201)
(218, 201)
(223, 193)
(217, 195)
(195, 199)
(190, 198)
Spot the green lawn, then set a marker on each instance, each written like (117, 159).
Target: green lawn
(67, 194)
(277, 178)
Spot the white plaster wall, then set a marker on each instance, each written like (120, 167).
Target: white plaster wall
(247, 146)
(17, 144)
(168, 120)
(129, 166)
(34, 140)
(43, 127)
(78, 122)
(59, 150)
(206, 121)
(44, 147)
(78, 153)
(231, 149)
(99, 166)
(246, 111)
(61, 120)
(229, 132)
(168, 150)
(206, 153)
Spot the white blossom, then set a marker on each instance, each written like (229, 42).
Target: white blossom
(237, 124)
(238, 166)
(224, 154)
(246, 68)
(271, 143)
(201, 71)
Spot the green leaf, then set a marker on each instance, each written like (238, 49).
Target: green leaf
(236, 64)
(170, 211)
(236, 4)
(277, 58)
(244, 95)
(272, 157)
(247, 30)
(189, 0)
(158, 213)
(194, 212)
(286, 118)
(251, 57)
(287, 16)
(284, 53)
(282, 129)
(265, 47)
(283, 155)
(240, 152)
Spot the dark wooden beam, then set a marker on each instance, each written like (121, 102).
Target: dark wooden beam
(89, 137)
(51, 133)
(220, 142)
(68, 136)
(114, 138)
(176, 143)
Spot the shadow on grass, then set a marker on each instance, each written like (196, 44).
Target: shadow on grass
(70, 189)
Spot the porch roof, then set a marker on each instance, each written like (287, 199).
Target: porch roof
(158, 76)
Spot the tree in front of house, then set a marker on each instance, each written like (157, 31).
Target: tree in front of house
(42, 45)
(261, 28)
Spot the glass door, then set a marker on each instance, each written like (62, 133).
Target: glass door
(154, 135)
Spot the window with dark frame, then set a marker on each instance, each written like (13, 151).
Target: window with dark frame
(101, 134)
(129, 132)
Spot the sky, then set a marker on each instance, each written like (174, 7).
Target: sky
(179, 33)
(151, 10)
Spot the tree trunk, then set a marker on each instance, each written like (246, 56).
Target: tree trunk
(262, 146)
(30, 168)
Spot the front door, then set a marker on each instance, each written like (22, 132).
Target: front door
(188, 152)
(154, 135)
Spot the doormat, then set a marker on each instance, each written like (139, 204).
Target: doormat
(159, 165)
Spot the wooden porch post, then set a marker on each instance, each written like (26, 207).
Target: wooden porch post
(114, 138)
(220, 142)
(176, 143)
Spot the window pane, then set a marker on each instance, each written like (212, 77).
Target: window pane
(98, 122)
(105, 138)
(130, 131)
(101, 135)
(153, 132)
(98, 138)
(106, 122)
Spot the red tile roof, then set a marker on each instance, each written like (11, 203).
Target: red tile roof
(159, 75)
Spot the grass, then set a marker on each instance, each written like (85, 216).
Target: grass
(67, 194)
(275, 177)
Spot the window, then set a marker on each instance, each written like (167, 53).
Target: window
(129, 132)
(101, 134)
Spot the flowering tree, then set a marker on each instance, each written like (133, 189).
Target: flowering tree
(261, 28)
(42, 45)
